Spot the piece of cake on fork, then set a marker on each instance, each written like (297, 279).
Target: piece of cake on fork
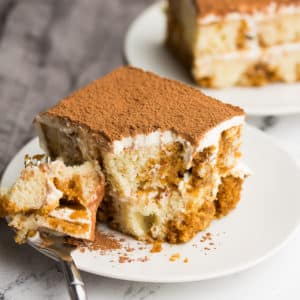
(171, 155)
(53, 196)
(236, 42)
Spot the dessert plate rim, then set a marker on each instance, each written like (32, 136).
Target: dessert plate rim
(178, 271)
(144, 48)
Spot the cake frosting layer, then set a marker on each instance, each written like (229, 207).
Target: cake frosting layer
(129, 102)
(253, 67)
(158, 138)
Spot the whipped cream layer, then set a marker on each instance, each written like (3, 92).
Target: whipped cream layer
(264, 54)
(70, 215)
(206, 65)
(159, 138)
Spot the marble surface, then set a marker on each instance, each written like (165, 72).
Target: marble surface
(47, 49)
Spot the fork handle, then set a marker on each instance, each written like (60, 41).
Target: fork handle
(74, 282)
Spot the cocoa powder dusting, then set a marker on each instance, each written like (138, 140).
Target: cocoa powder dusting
(103, 242)
(130, 101)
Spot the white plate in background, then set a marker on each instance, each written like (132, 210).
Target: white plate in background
(144, 48)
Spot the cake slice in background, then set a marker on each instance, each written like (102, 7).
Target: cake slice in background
(171, 155)
(53, 196)
(242, 42)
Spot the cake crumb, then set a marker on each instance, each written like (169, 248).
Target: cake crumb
(157, 247)
(124, 259)
(186, 260)
(129, 249)
(174, 257)
(143, 259)
(106, 242)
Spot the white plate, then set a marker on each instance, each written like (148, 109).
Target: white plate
(144, 48)
(269, 212)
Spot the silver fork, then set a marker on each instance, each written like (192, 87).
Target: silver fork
(55, 247)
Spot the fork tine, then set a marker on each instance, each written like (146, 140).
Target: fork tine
(44, 251)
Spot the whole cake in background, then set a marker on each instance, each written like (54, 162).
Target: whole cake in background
(236, 42)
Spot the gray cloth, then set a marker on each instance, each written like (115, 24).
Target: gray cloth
(48, 48)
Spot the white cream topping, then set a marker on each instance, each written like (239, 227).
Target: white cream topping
(65, 214)
(156, 138)
(211, 138)
(159, 138)
(53, 195)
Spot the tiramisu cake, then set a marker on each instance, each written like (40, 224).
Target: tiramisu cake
(52, 196)
(236, 42)
(170, 155)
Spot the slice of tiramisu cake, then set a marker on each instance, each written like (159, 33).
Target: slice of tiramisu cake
(236, 42)
(171, 155)
(52, 196)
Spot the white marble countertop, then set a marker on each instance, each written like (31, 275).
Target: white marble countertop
(25, 274)
(42, 58)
